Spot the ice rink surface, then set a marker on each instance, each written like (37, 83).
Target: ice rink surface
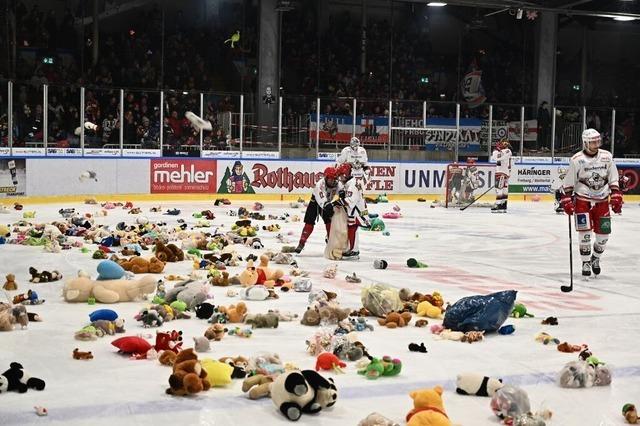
(470, 252)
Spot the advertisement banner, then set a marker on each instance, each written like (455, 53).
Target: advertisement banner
(499, 130)
(101, 152)
(261, 154)
(527, 179)
(13, 178)
(333, 156)
(220, 154)
(19, 151)
(438, 140)
(337, 128)
(127, 152)
(530, 130)
(64, 152)
(5, 151)
(173, 176)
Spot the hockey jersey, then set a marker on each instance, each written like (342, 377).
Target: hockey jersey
(357, 158)
(591, 178)
(354, 198)
(502, 157)
(322, 194)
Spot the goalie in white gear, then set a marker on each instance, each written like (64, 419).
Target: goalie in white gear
(356, 156)
(590, 186)
(502, 156)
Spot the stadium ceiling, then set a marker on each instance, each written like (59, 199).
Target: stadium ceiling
(594, 8)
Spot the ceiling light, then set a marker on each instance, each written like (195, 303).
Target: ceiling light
(436, 4)
(624, 18)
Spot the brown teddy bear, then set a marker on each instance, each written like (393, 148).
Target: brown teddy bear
(249, 276)
(220, 280)
(269, 320)
(271, 276)
(10, 284)
(168, 253)
(394, 319)
(188, 376)
(215, 332)
(333, 314)
(258, 386)
(310, 317)
(235, 313)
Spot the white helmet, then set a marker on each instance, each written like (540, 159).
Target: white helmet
(354, 143)
(588, 136)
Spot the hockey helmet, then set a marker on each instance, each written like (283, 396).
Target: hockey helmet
(590, 136)
(330, 173)
(354, 143)
(344, 170)
(503, 144)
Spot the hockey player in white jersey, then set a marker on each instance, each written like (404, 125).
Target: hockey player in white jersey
(320, 205)
(556, 188)
(502, 156)
(356, 156)
(352, 196)
(591, 185)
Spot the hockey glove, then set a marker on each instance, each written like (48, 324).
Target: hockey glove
(342, 194)
(566, 203)
(616, 201)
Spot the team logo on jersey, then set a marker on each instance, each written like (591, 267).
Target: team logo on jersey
(582, 222)
(594, 182)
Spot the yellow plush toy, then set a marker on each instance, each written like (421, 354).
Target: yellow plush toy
(249, 276)
(426, 309)
(270, 274)
(218, 373)
(428, 408)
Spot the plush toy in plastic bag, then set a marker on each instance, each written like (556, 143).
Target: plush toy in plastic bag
(380, 299)
(509, 402)
(581, 374)
(480, 313)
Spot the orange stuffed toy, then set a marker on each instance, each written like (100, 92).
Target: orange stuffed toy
(188, 376)
(235, 313)
(267, 275)
(395, 320)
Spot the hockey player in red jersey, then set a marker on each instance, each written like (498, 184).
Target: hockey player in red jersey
(320, 205)
(590, 186)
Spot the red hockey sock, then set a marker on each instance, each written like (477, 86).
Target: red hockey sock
(306, 232)
(351, 232)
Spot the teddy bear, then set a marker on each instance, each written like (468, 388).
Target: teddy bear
(139, 265)
(15, 379)
(218, 278)
(10, 283)
(239, 365)
(168, 253)
(428, 408)
(80, 289)
(269, 320)
(394, 319)
(271, 276)
(258, 386)
(215, 332)
(310, 317)
(188, 376)
(235, 313)
(191, 292)
(249, 276)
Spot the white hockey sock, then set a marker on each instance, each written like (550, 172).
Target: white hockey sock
(585, 245)
(598, 245)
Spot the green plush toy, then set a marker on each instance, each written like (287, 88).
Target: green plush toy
(413, 263)
(375, 224)
(382, 198)
(195, 252)
(385, 367)
(197, 215)
(179, 306)
(520, 311)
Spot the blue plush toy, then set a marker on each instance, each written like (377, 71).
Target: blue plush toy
(103, 314)
(110, 270)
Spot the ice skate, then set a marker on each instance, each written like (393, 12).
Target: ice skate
(351, 255)
(299, 248)
(595, 265)
(353, 278)
(586, 269)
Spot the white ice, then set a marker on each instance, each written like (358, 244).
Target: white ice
(470, 252)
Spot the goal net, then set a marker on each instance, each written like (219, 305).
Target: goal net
(467, 182)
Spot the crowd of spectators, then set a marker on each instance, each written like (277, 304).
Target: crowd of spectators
(317, 59)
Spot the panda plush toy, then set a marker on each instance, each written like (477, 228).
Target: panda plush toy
(15, 379)
(476, 384)
(305, 391)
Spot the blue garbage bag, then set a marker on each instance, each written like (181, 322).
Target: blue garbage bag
(480, 313)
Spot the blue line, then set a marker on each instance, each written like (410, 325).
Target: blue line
(384, 388)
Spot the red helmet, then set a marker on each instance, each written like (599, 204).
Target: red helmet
(344, 169)
(330, 173)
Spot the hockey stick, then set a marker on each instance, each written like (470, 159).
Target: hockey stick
(565, 288)
(476, 199)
